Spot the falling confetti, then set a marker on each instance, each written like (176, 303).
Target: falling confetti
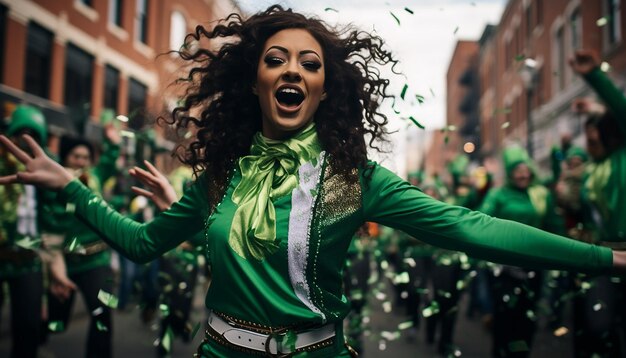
(56, 326)
(456, 29)
(420, 98)
(330, 9)
(520, 57)
(602, 21)
(73, 244)
(418, 124)
(395, 17)
(108, 299)
(405, 325)
(403, 93)
(101, 327)
(505, 125)
(408, 10)
(605, 67)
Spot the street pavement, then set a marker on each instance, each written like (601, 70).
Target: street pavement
(132, 338)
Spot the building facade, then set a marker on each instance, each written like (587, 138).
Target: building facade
(526, 87)
(76, 58)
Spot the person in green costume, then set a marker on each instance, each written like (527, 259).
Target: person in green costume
(604, 193)
(20, 217)
(515, 290)
(86, 256)
(282, 111)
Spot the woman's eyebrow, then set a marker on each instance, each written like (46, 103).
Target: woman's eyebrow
(282, 49)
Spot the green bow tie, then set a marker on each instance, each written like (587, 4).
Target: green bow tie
(270, 171)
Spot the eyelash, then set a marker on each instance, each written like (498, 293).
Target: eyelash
(309, 65)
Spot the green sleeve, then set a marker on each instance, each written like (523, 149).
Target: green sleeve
(106, 166)
(390, 201)
(611, 95)
(141, 242)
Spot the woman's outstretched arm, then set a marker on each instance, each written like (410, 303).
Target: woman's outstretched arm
(137, 241)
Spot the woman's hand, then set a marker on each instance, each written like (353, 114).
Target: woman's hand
(40, 169)
(584, 61)
(60, 285)
(160, 190)
(619, 262)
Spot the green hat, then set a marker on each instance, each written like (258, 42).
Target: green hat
(514, 155)
(28, 117)
(576, 152)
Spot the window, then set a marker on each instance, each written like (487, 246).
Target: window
(575, 22)
(560, 59)
(111, 87)
(78, 79)
(529, 22)
(115, 12)
(137, 93)
(38, 59)
(178, 30)
(3, 31)
(612, 28)
(141, 21)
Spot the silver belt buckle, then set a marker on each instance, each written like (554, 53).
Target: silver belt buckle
(277, 336)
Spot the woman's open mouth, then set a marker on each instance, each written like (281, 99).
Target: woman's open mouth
(289, 98)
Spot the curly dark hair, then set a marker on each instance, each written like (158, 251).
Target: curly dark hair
(221, 81)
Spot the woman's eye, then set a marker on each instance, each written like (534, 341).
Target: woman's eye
(312, 65)
(272, 61)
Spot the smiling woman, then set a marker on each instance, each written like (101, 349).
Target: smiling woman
(284, 108)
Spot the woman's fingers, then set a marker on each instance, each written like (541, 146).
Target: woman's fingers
(8, 179)
(21, 155)
(34, 146)
(140, 191)
(153, 169)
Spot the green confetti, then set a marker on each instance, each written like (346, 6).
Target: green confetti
(101, 327)
(420, 98)
(165, 309)
(431, 310)
(330, 9)
(403, 93)
(405, 325)
(505, 125)
(395, 17)
(418, 124)
(56, 326)
(401, 278)
(166, 341)
(520, 57)
(456, 29)
(70, 208)
(28, 243)
(73, 244)
(605, 67)
(602, 21)
(408, 10)
(432, 92)
(107, 299)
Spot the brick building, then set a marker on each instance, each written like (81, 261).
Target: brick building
(524, 76)
(461, 108)
(74, 58)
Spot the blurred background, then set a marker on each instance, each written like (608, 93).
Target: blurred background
(476, 75)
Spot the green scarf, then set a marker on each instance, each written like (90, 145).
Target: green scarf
(270, 171)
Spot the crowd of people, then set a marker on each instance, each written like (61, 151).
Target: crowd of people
(277, 196)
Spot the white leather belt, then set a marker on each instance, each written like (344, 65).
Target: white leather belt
(273, 343)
